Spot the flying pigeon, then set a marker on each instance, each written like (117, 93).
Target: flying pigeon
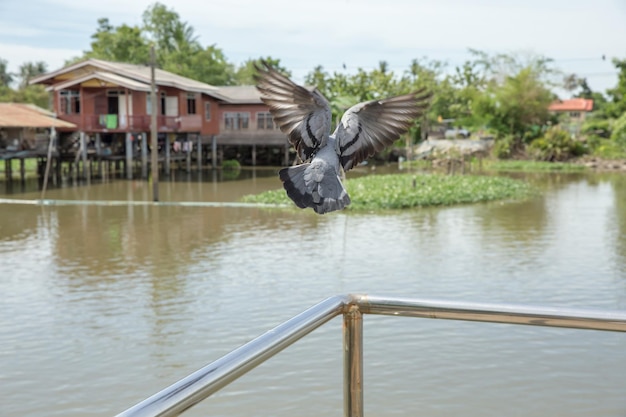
(305, 116)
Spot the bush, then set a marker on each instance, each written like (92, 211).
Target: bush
(556, 145)
(619, 130)
(597, 127)
(231, 164)
(503, 147)
(608, 149)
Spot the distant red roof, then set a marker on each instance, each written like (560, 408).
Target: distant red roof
(574, 104)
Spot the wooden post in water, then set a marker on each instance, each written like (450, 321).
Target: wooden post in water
(167, 154)
(98, 155)
(189, 146)
(53, 134)
(8, 169)
(199, 150)
(154, 157)
(253, 155)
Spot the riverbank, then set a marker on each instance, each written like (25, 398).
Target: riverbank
(600, 164)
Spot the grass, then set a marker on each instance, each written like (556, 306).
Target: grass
(30, 168)
(531, 166)
(403, 191)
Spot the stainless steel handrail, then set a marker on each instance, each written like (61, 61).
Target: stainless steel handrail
(194, 388)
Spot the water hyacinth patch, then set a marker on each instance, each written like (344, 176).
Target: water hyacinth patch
(402, 191)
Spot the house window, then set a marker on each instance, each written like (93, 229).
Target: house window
(574, 114)
(191, 103)
(264, 121)
(163, 103)
(69, 101)
(236, 120)
(207, 111)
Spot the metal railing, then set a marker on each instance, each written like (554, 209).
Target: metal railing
(194, 388)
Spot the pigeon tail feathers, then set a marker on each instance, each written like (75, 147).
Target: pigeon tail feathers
(306, 189)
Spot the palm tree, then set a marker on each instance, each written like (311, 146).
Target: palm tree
(29, 70)
(6, 78)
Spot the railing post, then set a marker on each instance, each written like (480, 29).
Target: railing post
(353, 362)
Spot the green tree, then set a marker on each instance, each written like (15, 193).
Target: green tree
(172, 37)
(6, 78)
(617, 95)
(208, 65)
(244, 75)
(121, 44)
(513, 94)
(599, 100)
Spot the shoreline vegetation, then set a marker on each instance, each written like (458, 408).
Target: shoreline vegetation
(403, 191)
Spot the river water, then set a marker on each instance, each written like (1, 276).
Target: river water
(103, 306)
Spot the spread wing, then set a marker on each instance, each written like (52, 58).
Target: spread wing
(368, 127)
(303, 115)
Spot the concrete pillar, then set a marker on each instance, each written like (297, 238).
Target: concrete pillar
(144, 155)
(213, 152)
(83, 154)
(129, 156)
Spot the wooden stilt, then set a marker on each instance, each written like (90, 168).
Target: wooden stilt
(167, 154)
(83, 154)
(213, 152)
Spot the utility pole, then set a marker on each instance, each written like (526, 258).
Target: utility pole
(154, 157)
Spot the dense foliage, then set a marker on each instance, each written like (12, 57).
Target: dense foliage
(505, 96)
(35, 94)
(401, 191)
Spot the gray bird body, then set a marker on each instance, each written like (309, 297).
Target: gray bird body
(305, 116)
(317, 184)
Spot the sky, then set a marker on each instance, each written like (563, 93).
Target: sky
(581, 36)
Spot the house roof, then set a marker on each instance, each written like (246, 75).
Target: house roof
(18, 115)
(240, 94)
(574, 104)
(102, 79)
(138, 73)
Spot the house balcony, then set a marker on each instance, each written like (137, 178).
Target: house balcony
(122, 123)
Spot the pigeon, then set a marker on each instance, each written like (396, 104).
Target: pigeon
(304, 115)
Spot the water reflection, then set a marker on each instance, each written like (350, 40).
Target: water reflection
(104, 305)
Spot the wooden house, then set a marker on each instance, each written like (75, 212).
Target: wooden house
(110, 105)
(25, 132)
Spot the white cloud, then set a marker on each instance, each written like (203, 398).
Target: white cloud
(304, 34)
